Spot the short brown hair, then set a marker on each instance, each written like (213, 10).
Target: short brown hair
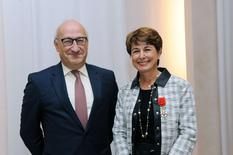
(144, 34)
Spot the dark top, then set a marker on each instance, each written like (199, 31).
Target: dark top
(154, 130)
(144, 97)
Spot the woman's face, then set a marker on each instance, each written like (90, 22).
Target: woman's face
(144, 57)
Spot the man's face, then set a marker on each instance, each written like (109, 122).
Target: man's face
(72, 45)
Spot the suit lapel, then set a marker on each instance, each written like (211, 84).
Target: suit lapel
(95, 82)
(58, 82)
(96, 88)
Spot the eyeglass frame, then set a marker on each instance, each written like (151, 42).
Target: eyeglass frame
(85, 39)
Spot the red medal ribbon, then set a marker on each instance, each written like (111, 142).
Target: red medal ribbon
(161, 101)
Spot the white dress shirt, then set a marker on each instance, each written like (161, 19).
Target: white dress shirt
(70, 86)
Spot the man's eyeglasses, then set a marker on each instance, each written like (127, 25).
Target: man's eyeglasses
(69, 41)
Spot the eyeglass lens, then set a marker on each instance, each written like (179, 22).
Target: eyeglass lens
(70, 41)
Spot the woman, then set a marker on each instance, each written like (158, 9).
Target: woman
(155, 113)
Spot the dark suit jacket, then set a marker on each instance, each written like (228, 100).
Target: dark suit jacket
(49, 124)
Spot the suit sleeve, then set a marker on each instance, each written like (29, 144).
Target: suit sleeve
(186, 140)
(30, 129)
(113, 105)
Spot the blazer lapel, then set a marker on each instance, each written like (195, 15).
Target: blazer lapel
(95, 82)
(96, 88)
(58, 82)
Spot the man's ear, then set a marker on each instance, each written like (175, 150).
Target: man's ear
(55, 42)
(56, 45)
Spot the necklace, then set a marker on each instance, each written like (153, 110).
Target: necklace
(144, 134)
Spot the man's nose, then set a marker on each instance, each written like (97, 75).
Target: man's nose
(75, 47)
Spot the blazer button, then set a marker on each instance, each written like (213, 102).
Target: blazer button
(151, 151)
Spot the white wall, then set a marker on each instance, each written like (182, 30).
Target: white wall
(3, 110)
(202, 51)
(225, 55)
(168, 18)
(27, 29)
(209, 36)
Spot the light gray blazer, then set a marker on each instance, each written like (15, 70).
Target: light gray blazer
(178, 129)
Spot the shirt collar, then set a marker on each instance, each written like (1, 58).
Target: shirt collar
(82, 70)
(161, 81)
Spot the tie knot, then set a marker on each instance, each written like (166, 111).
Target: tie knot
(76, 73)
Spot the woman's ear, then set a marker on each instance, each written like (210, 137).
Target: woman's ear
(159, 53)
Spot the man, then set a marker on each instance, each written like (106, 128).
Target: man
(50, 121)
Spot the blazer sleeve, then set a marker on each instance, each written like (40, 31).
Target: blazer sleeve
(120, 128)
(186, 140)
(30, 129)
